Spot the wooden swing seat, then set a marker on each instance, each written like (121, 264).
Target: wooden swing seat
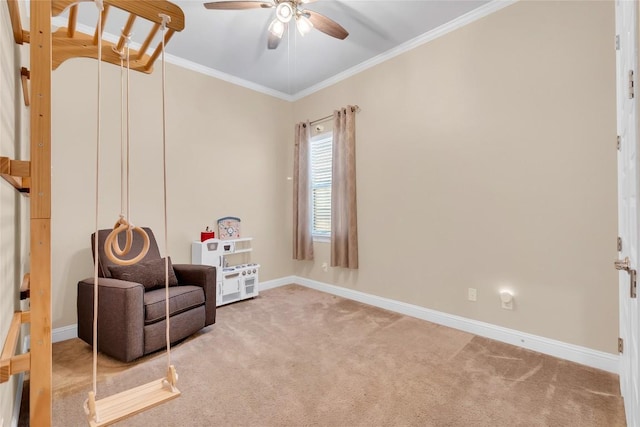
(130, 402)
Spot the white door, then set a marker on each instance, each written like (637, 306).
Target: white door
(626, 57)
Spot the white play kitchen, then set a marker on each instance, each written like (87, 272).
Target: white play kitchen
(234, 282)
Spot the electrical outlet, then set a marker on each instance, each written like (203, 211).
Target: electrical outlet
(325, 266)
(472, 294)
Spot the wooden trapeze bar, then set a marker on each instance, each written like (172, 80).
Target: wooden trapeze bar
(130, 402)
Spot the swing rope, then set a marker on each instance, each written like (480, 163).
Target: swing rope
(165, 20)
(100, 7)
(140, 398)
(125, 135)
(112, 246)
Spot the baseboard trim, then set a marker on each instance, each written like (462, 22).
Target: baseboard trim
(64, 333)
(270, 284)
(574, 353)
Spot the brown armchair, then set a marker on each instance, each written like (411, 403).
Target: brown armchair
(131, 301)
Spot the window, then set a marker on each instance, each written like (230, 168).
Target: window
(320, 167)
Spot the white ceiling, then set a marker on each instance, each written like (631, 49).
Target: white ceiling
(233, 44)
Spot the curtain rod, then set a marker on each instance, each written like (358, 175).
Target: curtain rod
(324, 119)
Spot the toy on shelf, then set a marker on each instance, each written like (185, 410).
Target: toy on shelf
(207, 234)
(229, 228)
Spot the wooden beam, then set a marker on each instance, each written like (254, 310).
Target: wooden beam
(16, 23)
(40, 392)
(41, 115)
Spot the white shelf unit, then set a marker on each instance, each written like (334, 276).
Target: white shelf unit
(233, 282)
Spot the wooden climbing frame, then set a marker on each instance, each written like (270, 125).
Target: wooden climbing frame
(48, 50)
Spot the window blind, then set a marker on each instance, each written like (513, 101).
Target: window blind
(321, 156)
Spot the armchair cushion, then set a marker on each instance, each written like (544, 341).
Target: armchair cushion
(181, 298)
(149, 273)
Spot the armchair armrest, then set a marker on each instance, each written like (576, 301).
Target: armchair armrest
(121, 336)
(205, 277)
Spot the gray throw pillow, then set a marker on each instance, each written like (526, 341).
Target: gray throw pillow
(148, 273)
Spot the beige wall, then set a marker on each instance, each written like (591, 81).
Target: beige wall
(13, 207)
(485, 160)
(226, 156)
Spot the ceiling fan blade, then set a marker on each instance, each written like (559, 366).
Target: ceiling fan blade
(273, 41)
(326, 25)
(237, 5)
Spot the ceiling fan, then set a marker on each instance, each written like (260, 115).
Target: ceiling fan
(286, 10)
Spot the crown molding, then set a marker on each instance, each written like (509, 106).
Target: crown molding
(211, 72)
(440, 31)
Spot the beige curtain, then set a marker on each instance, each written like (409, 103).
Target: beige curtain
(344, 224)
(302, 239)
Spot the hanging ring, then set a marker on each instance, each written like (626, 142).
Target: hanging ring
(115, 245)
(111, 243)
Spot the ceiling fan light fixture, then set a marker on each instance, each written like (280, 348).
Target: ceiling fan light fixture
(303, 24)
(276, 28)
(284, 12)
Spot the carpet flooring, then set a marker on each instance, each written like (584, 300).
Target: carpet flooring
(299, 357)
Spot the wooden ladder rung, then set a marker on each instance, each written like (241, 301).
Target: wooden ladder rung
(10, 363)
(97, 36)
(126, 32)
(73, 19)
(16, 173)
(130, 402)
